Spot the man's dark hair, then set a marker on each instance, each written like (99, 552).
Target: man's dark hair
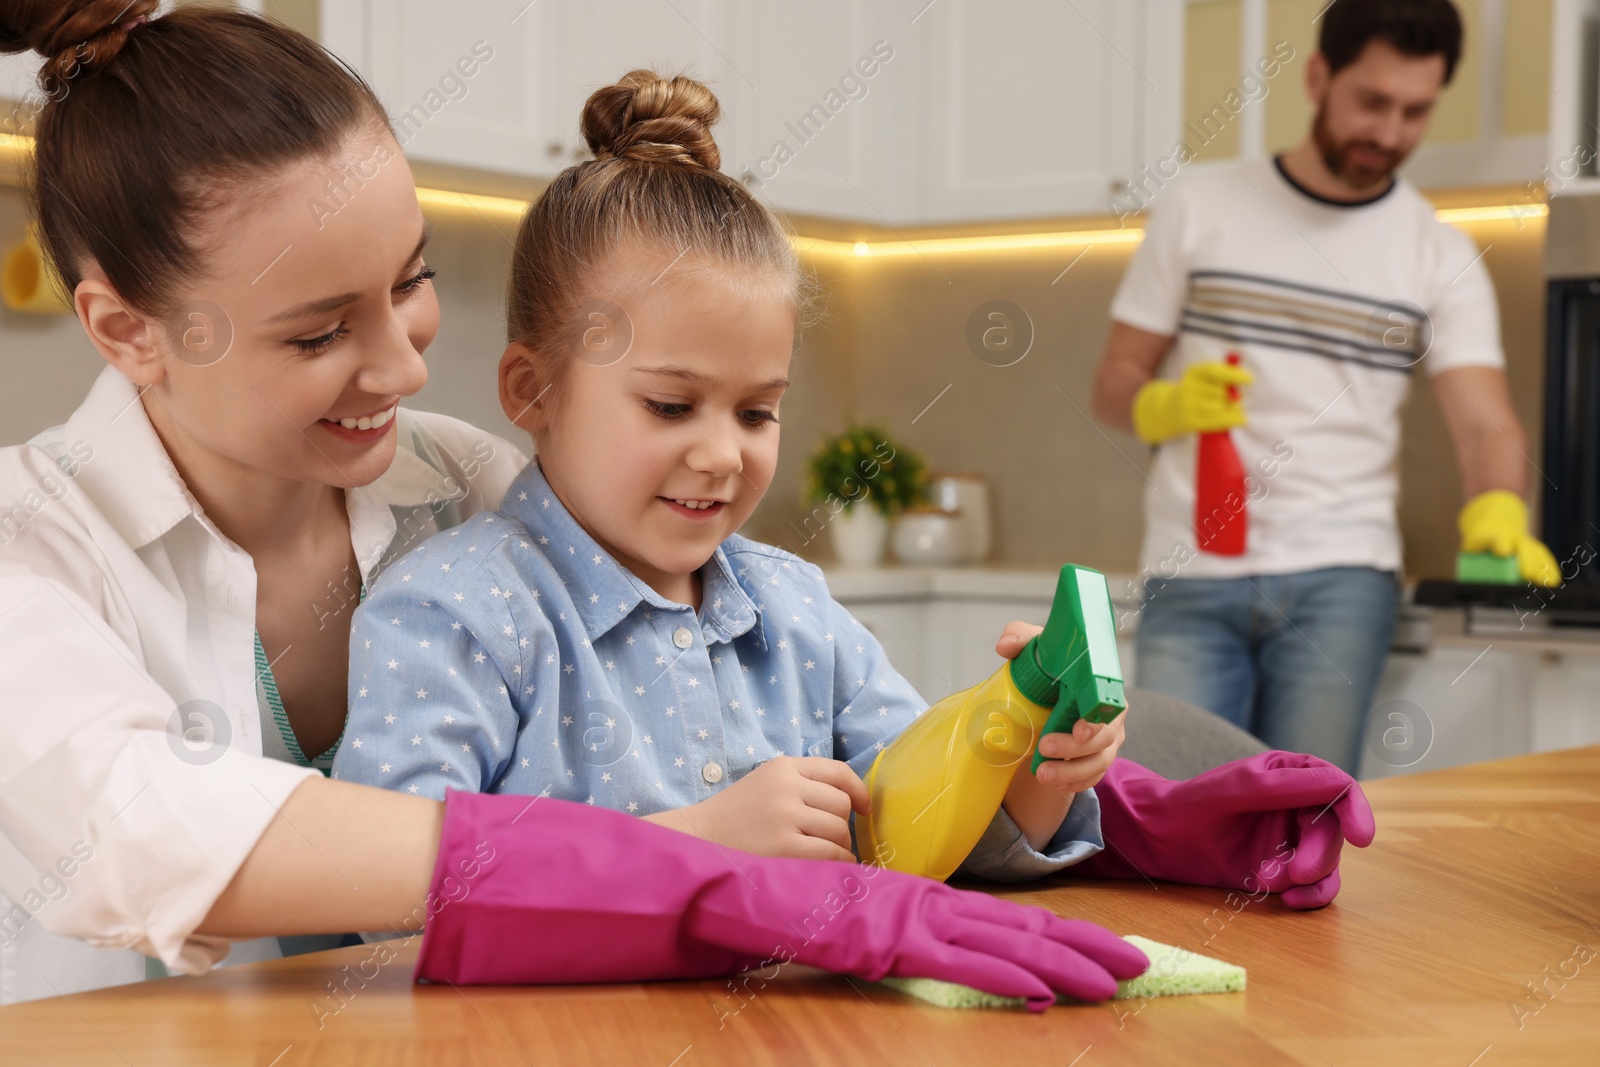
(1414, 27)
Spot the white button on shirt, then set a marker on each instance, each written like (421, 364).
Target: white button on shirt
(712, 772)
(683, 638)
(128, 620)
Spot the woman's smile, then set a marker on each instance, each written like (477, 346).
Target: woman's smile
(362, 429)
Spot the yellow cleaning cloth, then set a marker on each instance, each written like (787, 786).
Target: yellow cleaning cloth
(1173, 972)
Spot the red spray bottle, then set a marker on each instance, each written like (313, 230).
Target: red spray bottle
(1221, 517)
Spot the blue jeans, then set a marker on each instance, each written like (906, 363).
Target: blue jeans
(1293, 658)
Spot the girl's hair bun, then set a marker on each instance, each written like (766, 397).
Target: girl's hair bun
(653, 192)
(653, 119)
(76, 37)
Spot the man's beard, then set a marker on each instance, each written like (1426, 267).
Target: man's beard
(1336, 156)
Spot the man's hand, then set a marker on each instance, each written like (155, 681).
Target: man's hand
(1491, 452)
(1205, 399)
(1496, 522)
(1273, 823)
(788, 806)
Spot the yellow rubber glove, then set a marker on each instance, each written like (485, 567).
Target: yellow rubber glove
(1497, 522)
(1198, 402)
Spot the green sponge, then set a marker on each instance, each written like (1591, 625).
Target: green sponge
(1173, 972)
(1485, 568)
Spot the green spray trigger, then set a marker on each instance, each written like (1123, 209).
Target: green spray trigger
(1073, 665)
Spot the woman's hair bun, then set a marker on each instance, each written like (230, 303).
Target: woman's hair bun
(647, 117)
(76, 37)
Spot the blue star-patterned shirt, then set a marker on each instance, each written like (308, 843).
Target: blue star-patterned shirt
(513, 654)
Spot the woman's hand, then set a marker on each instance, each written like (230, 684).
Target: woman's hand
(1273, 823)
(1077, 760)
(788, 806)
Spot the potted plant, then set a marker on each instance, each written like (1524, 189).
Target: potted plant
(855, 482)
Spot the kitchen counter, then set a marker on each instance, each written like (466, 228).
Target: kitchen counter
(973, 582)
(1474, 627)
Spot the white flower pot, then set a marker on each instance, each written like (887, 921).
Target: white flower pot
(860, 533)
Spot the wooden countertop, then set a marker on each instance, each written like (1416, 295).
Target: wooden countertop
(1482, 879)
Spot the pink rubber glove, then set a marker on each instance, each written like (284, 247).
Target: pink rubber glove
(1273, 822)
(531, 891)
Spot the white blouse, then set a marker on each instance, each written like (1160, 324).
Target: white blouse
(132, 728)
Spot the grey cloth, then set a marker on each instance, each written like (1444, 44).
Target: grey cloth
(1178, 740)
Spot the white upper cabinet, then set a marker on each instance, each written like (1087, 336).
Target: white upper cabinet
(1032, 106)
(468, 84)
(18, 80)
(823, 123)
(532, 67)
(884, 111)
(933, 111)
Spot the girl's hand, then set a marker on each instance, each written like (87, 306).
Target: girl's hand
(788, 806)
(1078, 760)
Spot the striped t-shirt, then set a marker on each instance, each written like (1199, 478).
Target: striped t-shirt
(1333, 308)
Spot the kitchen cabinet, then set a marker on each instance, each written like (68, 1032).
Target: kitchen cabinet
(1468, 699)
(1448, 706)
(884, 111)
(499, 85)
(18, 83)
(1565, 685)
(467, 85)
(908, 111)
(905, 111)
(1574, 109)
(972, 111)
(819, 120)
(1032, 108)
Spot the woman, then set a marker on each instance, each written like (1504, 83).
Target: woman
(242, 243)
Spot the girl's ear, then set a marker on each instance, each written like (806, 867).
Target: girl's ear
(523, 397)
(129, 341)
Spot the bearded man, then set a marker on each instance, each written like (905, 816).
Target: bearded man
(1332, 281)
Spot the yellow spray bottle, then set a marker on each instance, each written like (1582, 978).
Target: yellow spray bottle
(938, 785)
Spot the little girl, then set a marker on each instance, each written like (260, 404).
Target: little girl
(607, 637)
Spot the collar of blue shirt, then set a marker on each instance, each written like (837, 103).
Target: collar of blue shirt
(602, 590)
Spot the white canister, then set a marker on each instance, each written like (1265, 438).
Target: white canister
(969, 494)
(929, 537)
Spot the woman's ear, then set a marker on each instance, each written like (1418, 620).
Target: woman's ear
(523, 397)
(128, 340)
